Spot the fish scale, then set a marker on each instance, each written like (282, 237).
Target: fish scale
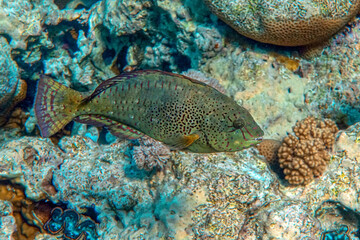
(181, 112)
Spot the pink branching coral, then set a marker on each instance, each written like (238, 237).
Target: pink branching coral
(150, 154)
(305, 155)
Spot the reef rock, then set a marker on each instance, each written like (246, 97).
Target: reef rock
(30, 162)
(12, 88)
(286, 23)
(7, 220)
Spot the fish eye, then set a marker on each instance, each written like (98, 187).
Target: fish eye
(239, 123)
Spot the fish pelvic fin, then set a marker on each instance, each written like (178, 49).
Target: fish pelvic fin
(183, 142)
(55, 105)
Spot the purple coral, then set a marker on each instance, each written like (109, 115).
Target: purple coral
(150, 154)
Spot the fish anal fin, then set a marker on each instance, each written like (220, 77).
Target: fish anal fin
(115, 128)
(124, 131)
(95, 120)
(183, 142)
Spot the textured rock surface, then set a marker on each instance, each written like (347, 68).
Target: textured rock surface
(7, 220)
(214, 196)
(219, 196)
(30, 162)
(286, 23)
(12, 88)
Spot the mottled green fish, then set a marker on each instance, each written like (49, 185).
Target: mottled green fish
(179, 111)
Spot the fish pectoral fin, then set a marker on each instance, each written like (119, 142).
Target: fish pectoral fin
(183, 141)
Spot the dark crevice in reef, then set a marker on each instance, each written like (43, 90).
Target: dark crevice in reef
(75, 4)
(108, 56)
(117, 47)
(65, 34)
(92, 213)
(6, 36)
(63, 26)
(120, 61)
(183, 62)
(28, 102)
(28, 69)
(162, 20)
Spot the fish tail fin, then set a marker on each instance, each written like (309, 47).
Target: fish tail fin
(55, 105)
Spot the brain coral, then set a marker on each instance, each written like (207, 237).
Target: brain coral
(286, 23)
(305, 155)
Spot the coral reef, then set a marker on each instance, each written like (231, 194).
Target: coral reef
(35, 159)
(332, 214)
(305, 155)
(17, 119)
(150, 154)
(132, 202)
(14, 196)
(335, 78)
(217, 196)
(285, 23)
(12, 88)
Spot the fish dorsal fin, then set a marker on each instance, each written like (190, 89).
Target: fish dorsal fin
(124, 76)
(182, 141)
(116, 128)
(109, 83)
(181, 76)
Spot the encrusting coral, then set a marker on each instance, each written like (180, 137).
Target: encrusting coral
(305, 155)
(286, 23)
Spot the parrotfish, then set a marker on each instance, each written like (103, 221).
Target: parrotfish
(179, 111)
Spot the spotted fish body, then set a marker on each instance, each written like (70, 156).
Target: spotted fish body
(181, 112)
